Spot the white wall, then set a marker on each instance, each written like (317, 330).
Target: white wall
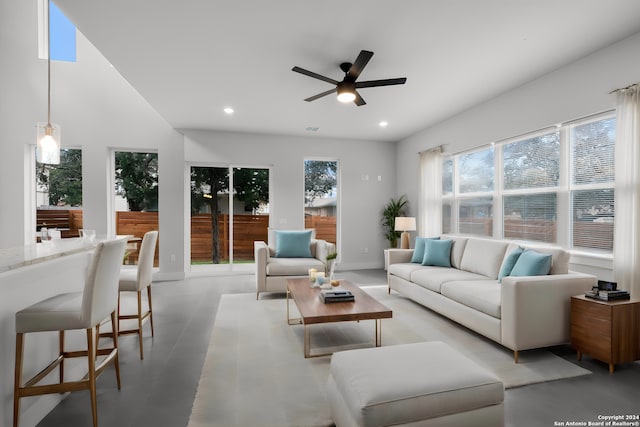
(576, 90)
(361, 200)
(97, 110)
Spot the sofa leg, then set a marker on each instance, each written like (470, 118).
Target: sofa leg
(389, 290)
(515, 355)
(257, 295)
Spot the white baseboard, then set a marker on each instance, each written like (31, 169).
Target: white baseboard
(359, 265)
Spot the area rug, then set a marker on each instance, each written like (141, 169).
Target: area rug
(255, 373)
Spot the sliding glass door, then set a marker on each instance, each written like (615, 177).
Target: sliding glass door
(229, 211)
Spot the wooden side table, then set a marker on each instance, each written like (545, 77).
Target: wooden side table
(606, 330)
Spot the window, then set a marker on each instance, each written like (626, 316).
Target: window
(476, 172)
(530, 217)
(475, 187)
(593, 178)
(447, 193)
(59, 194)
(136, 197)
(321, 198)
(63, 33)
(526, 187)
(531, 174)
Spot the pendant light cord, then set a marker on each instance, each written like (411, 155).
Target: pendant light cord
(48, 63)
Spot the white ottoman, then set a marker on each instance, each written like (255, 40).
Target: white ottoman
(422, 384)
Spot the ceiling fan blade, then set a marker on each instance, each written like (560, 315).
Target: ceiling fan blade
(358, 101)
(314, 75)
(320, 95)
(357, 67)
(384, 82)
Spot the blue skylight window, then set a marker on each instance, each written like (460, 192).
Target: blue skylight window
(63, 36)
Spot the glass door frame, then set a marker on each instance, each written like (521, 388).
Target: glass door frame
(338, 196)
(229, 267)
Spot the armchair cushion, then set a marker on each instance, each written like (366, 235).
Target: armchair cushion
(293, 266)
(293, 244)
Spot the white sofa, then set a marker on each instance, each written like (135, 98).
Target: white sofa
(520, 313)
(272, 273)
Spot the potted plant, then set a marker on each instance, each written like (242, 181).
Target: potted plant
(331, 264)
(394, 208)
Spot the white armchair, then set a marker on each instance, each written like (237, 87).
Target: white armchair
(272, 273)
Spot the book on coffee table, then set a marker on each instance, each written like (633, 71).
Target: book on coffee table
(334, 295)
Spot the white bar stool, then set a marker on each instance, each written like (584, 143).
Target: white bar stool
(71, 311)
(136, 280)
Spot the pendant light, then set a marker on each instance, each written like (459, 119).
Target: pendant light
(48, 135)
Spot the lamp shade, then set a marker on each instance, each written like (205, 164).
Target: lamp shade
(346, 91)
(48, 143)
(405, 223)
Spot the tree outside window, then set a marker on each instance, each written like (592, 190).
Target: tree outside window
(321, 198)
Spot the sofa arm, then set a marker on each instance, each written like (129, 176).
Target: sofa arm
(536, 309)
(396, 256)
(261, 257)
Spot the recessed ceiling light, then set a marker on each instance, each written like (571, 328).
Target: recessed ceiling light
(383, 124)
(228, 110)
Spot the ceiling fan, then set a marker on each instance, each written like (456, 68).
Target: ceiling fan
(346, 88)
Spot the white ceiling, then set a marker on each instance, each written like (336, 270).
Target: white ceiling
(191, 58)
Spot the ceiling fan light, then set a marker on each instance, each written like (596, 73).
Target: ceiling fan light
(346, 96)
(346, 92)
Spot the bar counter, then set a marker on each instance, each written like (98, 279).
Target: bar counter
(22, 256)
(29, 274)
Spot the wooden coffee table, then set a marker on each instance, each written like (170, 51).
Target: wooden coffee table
(314, 311)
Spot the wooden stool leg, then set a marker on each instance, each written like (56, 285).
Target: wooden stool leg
(91, 361)
(150, 309)
(118, 310)
(61, 352)
(116, 361)
(140, 323)
(18, 378)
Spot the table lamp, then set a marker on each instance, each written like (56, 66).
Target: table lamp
(405, 224)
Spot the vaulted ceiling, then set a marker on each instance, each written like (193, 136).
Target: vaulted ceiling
(191, 58)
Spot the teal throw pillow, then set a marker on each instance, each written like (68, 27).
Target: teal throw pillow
(293, 244)
(437, 252)
(532, 263)
(509, 262)
(418, 251)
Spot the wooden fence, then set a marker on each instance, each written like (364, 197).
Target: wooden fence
(249, 228)
(536, 230)
(597, 235)
(69, 222)
(136, 224)
(246, 229)
(325, 226)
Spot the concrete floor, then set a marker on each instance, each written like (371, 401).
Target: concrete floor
(159, 391)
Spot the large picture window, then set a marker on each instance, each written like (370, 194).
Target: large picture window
(524, 188)
(530, 177)
(593, 178)
(475, 186)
